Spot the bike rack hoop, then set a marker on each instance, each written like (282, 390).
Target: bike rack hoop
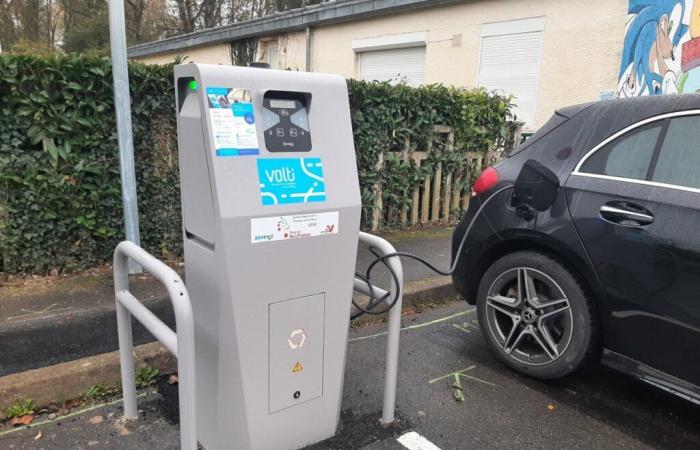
(180, 343)
(394, 323)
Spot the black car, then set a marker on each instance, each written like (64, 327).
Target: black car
(585, 243)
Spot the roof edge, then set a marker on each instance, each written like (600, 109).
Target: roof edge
(296, 19)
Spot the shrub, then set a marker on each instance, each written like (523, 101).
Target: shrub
(59, 165)
(60, 201)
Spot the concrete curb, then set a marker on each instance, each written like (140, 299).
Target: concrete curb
(68, 380)
(72, 379)
(420, 292)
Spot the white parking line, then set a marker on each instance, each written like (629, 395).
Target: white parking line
(414, 441)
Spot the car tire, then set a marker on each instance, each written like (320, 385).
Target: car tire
(554, 326)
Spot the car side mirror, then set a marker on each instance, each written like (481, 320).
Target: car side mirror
(536, 186)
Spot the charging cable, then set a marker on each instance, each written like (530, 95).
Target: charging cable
(371, 306)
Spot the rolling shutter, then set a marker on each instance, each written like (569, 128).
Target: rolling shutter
(394, 65)
(510, 63)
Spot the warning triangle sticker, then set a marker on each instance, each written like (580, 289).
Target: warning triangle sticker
(297, 367)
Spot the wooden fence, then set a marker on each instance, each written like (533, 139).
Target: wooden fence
(442, 196)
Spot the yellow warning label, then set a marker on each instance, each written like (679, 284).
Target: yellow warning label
(297, 367)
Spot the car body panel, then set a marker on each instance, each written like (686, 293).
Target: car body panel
(651, 274)
(652, 376)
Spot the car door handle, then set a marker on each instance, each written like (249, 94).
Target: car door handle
(624, 216)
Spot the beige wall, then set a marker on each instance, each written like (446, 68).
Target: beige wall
(291, 48)
(213, 54)
(580, 54)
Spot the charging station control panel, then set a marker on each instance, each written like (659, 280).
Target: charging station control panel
(271, 213)
(286, 122)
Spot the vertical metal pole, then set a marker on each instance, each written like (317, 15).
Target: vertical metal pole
(126, 357)
(392, 345)
(394, 325)
(186, 371)
(308, 49)
(122, 106)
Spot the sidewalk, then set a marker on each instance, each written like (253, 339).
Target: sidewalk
(52, 321)
(451, 391)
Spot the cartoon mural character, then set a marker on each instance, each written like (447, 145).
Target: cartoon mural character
(650, 57)
(662, 49)
(689, 81)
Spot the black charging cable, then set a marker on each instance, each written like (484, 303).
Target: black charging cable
(370, 307)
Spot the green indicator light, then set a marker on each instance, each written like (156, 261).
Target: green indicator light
(192, 85)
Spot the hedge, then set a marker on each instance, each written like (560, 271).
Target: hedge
(60, 202)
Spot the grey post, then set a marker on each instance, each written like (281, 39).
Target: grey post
(181, 344)
(122, 106)
(394, 325)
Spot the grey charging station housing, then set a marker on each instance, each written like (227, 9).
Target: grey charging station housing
(271, 215)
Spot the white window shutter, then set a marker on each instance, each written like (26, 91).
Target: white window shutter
(394, 65)
(510, 64)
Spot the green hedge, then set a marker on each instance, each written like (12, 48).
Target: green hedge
(385, 116)
(60, 203)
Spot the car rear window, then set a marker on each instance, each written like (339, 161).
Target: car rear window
(551, 124)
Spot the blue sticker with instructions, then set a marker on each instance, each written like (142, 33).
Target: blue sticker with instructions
(232, 121)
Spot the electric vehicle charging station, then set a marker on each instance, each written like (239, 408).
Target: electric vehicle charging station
(271, 216)
(271, 209)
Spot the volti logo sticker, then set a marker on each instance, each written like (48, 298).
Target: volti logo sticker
(291, 180)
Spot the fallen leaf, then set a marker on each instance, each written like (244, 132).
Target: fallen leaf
(93, 443)
(96, 420)
(120, 427)
(70, 404)
(172, 379)
(24, 420)
(38, 436)
(551, 407)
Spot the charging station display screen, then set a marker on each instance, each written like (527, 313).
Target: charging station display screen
(283, 104)
(286, 122)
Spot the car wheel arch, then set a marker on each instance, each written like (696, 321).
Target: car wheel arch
(541, 243)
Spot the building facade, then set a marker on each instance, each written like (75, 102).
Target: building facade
(546, 53)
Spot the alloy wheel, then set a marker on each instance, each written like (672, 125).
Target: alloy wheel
(529, 316)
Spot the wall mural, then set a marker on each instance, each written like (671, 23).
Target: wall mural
(661, 54)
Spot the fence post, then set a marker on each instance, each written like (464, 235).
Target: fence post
(415, 204)
(405, 157)
(446, 209)
(377, 189)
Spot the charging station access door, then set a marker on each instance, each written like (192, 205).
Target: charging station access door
(296, 351)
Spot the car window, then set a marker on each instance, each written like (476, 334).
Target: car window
(679, 159)
(628, 156)
(551, 124)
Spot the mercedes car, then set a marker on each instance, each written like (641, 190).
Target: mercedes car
(582, 245)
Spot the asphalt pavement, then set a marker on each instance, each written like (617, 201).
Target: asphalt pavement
(452, 392)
